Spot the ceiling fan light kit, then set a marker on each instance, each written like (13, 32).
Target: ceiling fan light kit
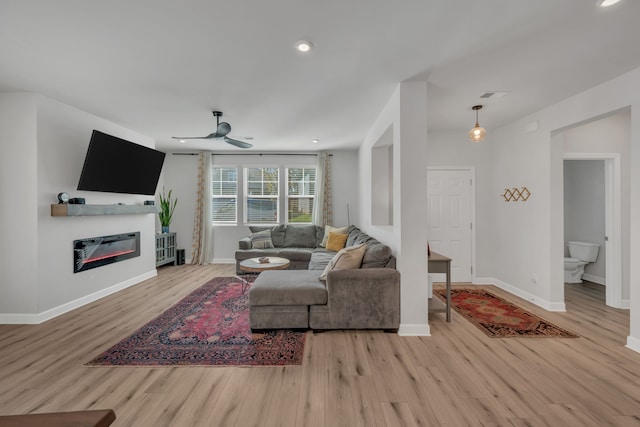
(478, 133)
(222, 129)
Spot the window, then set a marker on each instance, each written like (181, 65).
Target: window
(301, 191)
(261, 195)
(224, 195)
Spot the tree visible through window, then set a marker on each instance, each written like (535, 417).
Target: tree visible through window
(224, 195)
(261, 195)
(301, 191)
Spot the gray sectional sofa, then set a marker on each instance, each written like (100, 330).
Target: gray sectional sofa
(363, 298)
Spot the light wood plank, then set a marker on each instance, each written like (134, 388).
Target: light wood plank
(458, 376)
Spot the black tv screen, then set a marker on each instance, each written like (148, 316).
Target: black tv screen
(115, 165)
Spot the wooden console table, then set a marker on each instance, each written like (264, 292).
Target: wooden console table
(441, 264)
(94, 418)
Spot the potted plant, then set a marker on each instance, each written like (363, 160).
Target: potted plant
(167, 207)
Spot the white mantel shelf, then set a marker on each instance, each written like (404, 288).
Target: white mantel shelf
(64, 209)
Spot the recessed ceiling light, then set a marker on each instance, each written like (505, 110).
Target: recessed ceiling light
(182, 140)
(304, 46)
(607, 3)
(315, 141)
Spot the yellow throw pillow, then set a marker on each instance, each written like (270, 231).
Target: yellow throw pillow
(329, 229)
(336, 241)
(347, 258)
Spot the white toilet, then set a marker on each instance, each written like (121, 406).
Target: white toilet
(581, 254)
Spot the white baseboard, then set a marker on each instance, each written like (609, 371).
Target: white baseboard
(34, 319)
(541, 302)
(633, 343)
(483, 281)
(595, 279)
(414, 330)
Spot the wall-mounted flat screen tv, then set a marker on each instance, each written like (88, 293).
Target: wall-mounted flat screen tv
(115, 165)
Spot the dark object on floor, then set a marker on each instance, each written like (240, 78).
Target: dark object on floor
(180, 257)
(95, 418)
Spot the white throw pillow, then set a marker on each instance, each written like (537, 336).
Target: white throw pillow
(347, 258)
(329, 229)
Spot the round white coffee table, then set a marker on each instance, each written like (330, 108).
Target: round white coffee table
(253, 266)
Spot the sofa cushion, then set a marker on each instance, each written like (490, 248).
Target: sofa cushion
(320, 258)
(300, 236)
(297, 287)
(277, 235)
(329, 229)
(347, 258)
(357, 236)
(377, 255)
(319, 235)
(296, 254)
(244, 243)
(353, 233)
(336, 241)
(261, 240)
(259, 228)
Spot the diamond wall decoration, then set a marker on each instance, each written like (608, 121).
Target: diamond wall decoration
(516, 194)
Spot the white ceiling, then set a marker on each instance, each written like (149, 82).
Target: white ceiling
(161, 66)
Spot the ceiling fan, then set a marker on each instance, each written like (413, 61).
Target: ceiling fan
(222, 129)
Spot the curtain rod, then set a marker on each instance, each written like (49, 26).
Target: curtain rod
(251, 154)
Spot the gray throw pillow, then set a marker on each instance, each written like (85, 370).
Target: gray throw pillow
(277, 235)
(261, 240)
(300, 236)
(377, 255)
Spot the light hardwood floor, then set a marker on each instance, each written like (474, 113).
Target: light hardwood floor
(456, 377)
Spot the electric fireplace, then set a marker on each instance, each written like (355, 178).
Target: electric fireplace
(98, 251)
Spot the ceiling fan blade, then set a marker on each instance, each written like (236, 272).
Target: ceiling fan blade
(239, 144)
(192, 137)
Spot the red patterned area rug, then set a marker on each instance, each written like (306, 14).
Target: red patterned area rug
(499, 318)
(209, 327)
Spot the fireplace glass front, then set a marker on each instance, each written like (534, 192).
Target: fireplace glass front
(98, 251)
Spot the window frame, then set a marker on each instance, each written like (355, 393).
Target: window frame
(289, 196)
(213, 196)
(246, 196)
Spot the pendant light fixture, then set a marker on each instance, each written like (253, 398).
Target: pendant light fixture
(478, 133)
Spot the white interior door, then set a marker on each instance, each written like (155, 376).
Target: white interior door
(450, 222)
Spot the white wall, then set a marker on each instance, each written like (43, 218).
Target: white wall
(19, 207)
(406, 114)
(608, 135)
(180, 175)
(50, 162)
(584, 218)
(529, 241)
(454, 149)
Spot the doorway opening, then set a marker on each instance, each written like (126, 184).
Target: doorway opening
(611, 241)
